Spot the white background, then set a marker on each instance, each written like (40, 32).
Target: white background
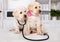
(52, 27)
(12, 4)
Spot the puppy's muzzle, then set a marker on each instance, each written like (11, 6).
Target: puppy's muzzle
(39, 11)
(25, 16)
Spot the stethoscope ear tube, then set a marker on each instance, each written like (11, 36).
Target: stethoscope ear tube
(45, 34)
(35, 39)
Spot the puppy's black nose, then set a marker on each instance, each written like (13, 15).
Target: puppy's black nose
(25, 16)
(39, 11)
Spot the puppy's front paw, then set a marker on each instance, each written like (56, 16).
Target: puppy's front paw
(12, 30)
(17, 32)
(44, 32)
(33, 31)
(39, 33)
(26, 33)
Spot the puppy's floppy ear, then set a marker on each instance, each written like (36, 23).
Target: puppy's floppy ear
(30, 7)
(15, 14)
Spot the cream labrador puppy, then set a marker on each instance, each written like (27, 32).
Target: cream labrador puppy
(20, 16)
(34, 24)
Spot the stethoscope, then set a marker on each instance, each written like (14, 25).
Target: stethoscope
(32, 39)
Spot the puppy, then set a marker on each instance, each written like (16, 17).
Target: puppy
(34, 24)
(20, 16)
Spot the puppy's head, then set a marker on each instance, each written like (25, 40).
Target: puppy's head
(35, 8)
(20, 13)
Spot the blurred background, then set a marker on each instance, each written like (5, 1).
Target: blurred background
(50, 15)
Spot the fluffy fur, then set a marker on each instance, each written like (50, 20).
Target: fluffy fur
(20, 15)
(34, 23)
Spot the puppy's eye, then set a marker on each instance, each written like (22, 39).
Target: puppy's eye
(35, 7)
(20, 12)
(39, 6)
(25, 11)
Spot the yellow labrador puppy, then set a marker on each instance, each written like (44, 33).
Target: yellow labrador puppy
(20, 16)
(34, 24)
